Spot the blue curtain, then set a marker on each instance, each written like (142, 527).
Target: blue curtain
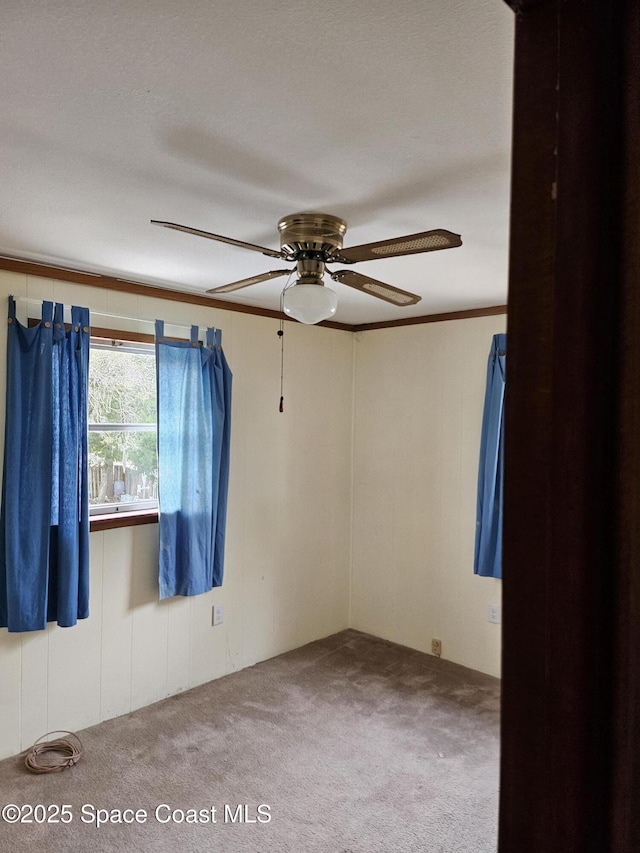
(488, 549)
(44, 521)
(194, 426)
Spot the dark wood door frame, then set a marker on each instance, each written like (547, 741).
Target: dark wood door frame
(570, 765)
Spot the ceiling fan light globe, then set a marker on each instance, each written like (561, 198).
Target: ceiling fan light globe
(310, 303)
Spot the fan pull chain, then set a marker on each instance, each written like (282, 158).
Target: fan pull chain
(281, 336)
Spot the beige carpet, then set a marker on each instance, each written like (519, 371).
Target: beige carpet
(354, 744)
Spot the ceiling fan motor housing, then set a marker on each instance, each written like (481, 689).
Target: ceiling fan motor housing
(310, 239)
(319, 233)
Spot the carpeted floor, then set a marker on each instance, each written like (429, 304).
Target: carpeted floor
(348, 745)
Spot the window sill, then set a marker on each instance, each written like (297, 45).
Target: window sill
(109, 521)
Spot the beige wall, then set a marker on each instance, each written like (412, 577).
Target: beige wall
(347, 509)
(288, 534)
(419, 393)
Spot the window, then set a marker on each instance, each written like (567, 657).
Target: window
(123, 461)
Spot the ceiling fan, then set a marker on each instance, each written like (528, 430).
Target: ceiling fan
(314, 240)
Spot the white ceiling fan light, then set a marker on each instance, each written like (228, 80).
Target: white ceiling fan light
(309, 303)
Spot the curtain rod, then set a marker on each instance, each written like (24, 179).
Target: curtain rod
(31, 301)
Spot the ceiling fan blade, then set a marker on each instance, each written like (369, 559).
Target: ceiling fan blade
(425, 241)
(271, 253)
(375, 288)
(246, 282)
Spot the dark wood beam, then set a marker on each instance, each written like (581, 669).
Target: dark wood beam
(526, 5)
(570, 776)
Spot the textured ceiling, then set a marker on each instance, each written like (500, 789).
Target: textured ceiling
(226, 116)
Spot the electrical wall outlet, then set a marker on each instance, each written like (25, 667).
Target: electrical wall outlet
(217, 615)
(436, 647)
(494, 613)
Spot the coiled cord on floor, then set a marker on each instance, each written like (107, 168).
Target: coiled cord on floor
(70, 749)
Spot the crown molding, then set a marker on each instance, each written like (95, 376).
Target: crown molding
(122, 285)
